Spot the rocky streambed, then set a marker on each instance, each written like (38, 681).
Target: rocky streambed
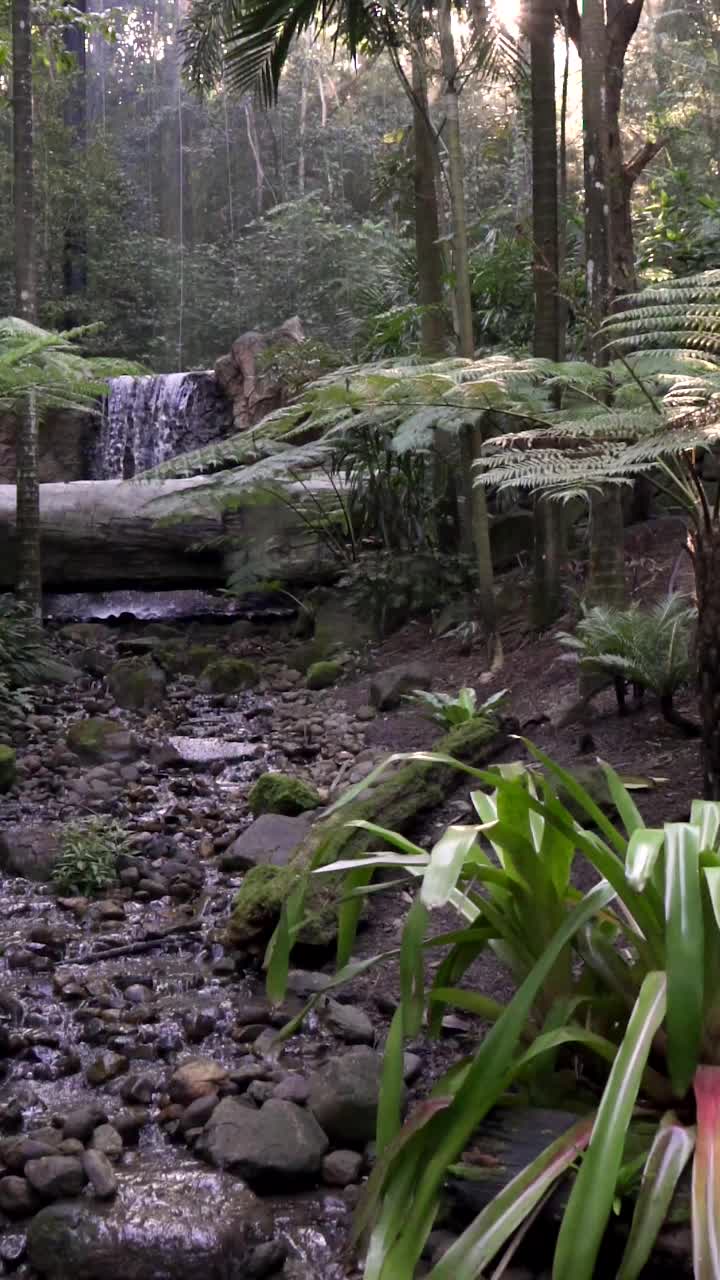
(149, 1125)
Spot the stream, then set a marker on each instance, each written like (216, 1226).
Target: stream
(79, 1030)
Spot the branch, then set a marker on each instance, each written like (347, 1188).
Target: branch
(569, 14)
(623, 22)
(642, 158)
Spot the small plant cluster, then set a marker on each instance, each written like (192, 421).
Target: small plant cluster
(639, 648)
(449, 709)
(25, 659)
(89, 853)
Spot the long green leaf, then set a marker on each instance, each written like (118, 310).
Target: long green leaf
(671, 1149)
(591, 1199)
(631, 816)
(643, 851)
(412, 988)
(684, 945)
(481, 1086)
(705, 814)
(447, 859)
(479, 1243)
(389, 1118)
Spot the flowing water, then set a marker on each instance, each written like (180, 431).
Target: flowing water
(151, 419)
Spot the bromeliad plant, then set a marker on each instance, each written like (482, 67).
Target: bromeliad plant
(450, 709)
(637, 1021)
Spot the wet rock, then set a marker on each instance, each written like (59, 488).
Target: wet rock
(280, 1143)
(16, 1196)
(141, 1086)
(98, 740)
(412, 1066)
(137, 687)
(387, 687)
(292, 1088)
(8, 767)
(340, 1168)
(199, 1112)
(159, 1225)
(107, 1066)
(16, 1152)
(280, 793)
(30, 850)
(321, 675)
(55, 1176)
(270, 840)
(82, 1122)
(100, 1174)
(228, 675)
(130, 1122)
(344, 1096)
(348, 1022)
(13, 1245)
(107, 1141)
(199, 1023)
(196, 1078)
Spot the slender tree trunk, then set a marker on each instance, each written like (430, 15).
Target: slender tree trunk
(75, 114)
(606, 579)
(456, 174)
(705, 550)
(302, 130)
(427, 246)
(29, 581)
(475, 527)
(24, 196)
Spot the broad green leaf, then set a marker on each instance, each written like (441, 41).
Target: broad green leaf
(705, 814)
(580, 796)
(470, 1001)
(373, 860)
(671, 1149)
(389, 1117)
(684, 946)
(643, 849)
(591, 1199)
(282, 942)
(479, 1243)
(392, 837)
(349, 912)
(447, 859)
(706, 1176)
(479, 1090)
(712, 880)
(630, 815)
(412, 977)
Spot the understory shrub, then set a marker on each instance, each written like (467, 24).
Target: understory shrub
(89, 853)
(450, 709)
(616, 1008)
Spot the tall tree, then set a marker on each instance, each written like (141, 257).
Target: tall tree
(75, 113)
(549, 521)
(427, 230)
(28, 581)
(456, 181)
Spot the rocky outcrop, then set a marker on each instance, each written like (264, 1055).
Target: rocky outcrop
(255, 392)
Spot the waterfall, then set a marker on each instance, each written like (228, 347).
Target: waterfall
(151, 419)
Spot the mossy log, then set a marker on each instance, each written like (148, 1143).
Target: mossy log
(413, 790)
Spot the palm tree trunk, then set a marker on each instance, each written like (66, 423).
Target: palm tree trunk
(28, 583)
(595, 145)
(427, 234)
(456, 174)
(75, 113)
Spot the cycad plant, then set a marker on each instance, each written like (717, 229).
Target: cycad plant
(646, 648)
(617, 1006)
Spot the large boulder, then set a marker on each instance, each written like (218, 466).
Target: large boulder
(228, 675)
(388, 687)
(344, 1096)
(281, 1143)
(137, 686)
(255, 392)
(271, 840)
(30, 850)
(97, 741)
(280, 793)
(164, 1224)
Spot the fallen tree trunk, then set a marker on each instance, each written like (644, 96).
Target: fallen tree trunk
(416, 788)
(107, 534)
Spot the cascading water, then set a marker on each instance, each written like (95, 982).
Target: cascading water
(151, 419)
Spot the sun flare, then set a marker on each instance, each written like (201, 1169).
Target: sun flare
(508, 12)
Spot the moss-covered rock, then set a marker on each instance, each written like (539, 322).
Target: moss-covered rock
(183, 659)
(279, 793)
(229, 675)
(415, 788)
(98, 740)
(138, 687)
(321, 675)
(259, 903)
(8, 761)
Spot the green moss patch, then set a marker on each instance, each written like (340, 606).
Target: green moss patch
(229, 675)
(279, 793)
(8, 763)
